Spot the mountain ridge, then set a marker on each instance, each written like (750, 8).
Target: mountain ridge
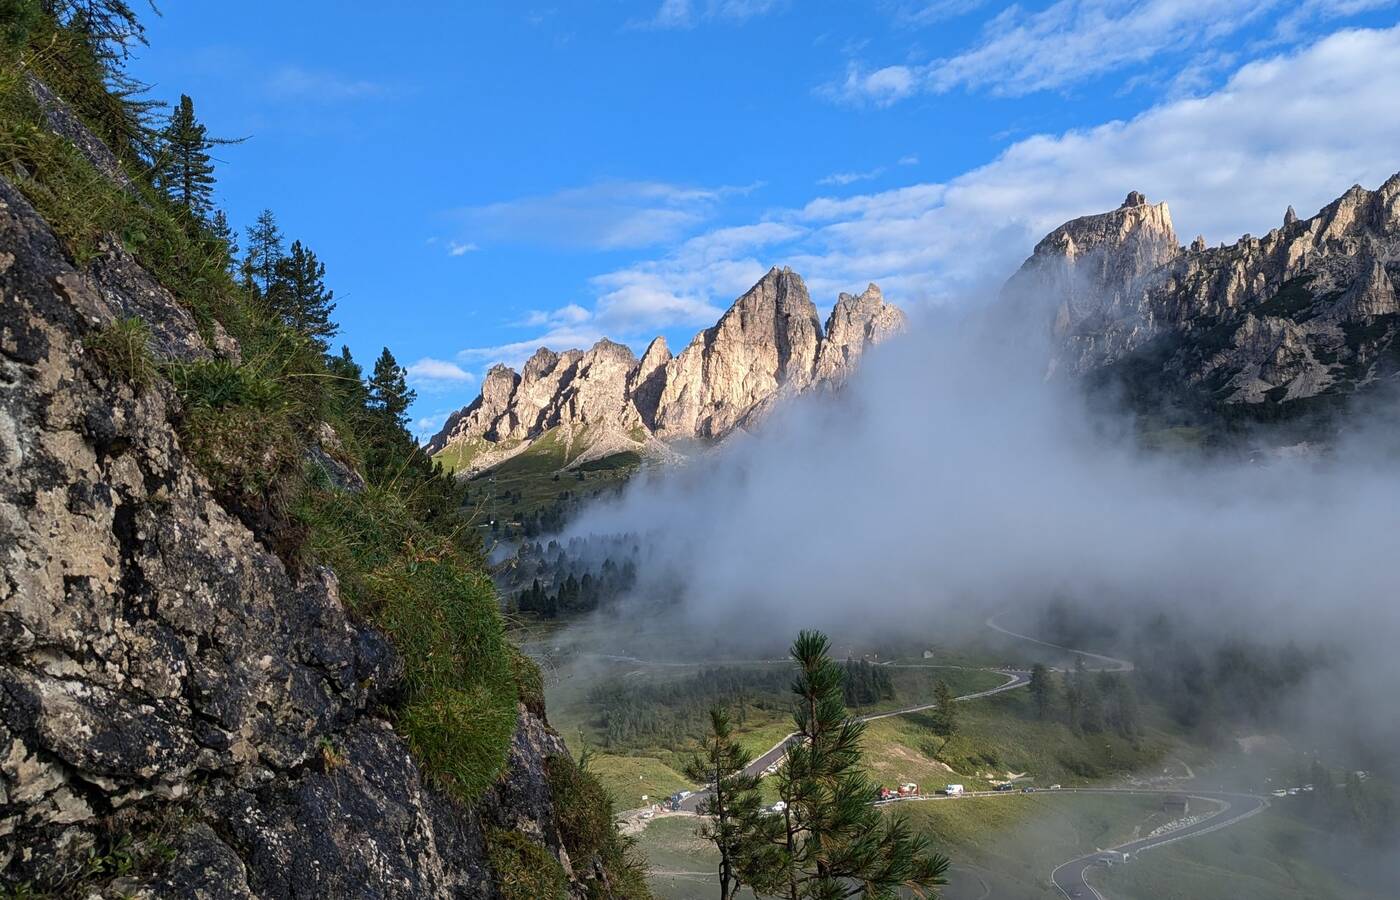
(1308, 310)
(769, 344)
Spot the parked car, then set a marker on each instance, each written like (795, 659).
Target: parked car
(1028, 790)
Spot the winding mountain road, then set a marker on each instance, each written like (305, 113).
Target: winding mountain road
(1071, 878)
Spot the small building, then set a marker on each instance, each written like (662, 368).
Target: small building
(1176, 805)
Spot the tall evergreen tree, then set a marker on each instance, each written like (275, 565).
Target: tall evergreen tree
(829, 841)
(265, 249)
(183, 168)
(299, 296)
(945, 714)
(1042, 690)
(733, 806)
(389, 390)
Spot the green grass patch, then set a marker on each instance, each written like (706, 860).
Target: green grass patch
(524, 869)
(438, 607)
(626, 779)
(626, 461)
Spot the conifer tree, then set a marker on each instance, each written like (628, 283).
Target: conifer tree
(298, 294)
(183, 168)
(265, 249)
(829, 842)
(733, 805)
(389, 390)
(945, 716)
(1042, 690)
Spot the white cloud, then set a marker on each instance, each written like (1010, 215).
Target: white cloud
(881, 87)
(298, 83)
(608, 215)
(688, 14)
(844, 178)
(425, 427)
(428, 369)
(572, 314)
(1071, 41)
(457, 248)
(929, 12)
(910, 160)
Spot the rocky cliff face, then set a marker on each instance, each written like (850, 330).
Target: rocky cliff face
(1308, 309)
(162, 673)
(768, 345)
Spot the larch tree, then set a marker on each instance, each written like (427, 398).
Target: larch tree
(732, 806)
(265, 249)
(830, 842)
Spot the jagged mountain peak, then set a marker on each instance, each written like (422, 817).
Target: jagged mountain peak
(1305, 309)
(769, 343)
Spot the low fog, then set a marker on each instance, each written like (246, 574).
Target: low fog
(951, 479)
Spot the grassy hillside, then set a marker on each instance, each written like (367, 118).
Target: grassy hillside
(534, 491)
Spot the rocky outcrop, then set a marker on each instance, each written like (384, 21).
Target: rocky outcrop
(855, 324)
(768, 345)
(766, 342)
(1308, 308)
(648, 380)
(161, 671)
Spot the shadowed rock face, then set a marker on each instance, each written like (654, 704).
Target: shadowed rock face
(158, 664)
(768, 345)
(1309, 308)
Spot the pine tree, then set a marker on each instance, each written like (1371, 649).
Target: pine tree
(265, 249)
(733, 805)
(298, 295)
(829, 841)
(1042, 690)
(389, 390)
(182, 167)
(945, 716)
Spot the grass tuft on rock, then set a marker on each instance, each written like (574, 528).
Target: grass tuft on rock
(524, 870)
(123, 349)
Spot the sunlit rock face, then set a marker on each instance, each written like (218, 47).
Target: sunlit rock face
(770, 344)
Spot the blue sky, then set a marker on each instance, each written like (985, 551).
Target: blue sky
(484, 178)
